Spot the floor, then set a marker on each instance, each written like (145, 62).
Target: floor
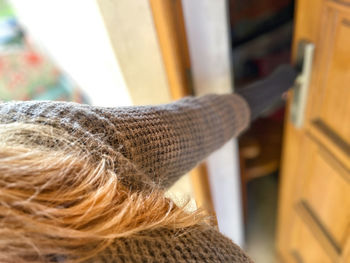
(262, 206)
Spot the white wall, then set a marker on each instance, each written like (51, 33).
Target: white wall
(74, 35)
(210, 52)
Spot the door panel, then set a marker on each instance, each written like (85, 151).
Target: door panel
(305, 247)
(314, 201)
(328, 119)
(335, 73)
(327, 195)
(324, 204)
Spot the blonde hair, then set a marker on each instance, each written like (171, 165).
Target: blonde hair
(60, 203)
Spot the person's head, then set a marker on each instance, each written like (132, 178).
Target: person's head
(57, 203)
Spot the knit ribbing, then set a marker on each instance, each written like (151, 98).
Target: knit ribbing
(195, 244)
(263, 93)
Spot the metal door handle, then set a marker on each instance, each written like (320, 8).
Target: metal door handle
(304, 61)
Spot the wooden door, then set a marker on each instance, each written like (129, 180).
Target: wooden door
(314, 198)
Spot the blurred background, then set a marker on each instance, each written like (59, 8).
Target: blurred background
(122, 52)
(261, 33)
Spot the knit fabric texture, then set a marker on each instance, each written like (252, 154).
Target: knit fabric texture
(266, 92)
(150, 146)
(169, 246)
